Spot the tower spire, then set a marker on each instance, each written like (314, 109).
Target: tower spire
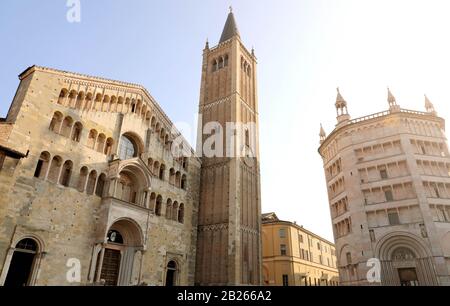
(393, 106)
(230, 29)
(341, 108)
(322, 134)
(429, 106)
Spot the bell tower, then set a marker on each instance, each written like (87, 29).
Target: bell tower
(229, 224)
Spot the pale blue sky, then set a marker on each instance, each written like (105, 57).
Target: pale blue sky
(305, 49)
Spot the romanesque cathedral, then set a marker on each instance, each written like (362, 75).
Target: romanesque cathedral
(94, 177)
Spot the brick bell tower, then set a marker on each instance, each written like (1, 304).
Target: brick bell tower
(229, 224)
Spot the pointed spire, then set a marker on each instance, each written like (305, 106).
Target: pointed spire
(339, 99)
(341, 108)
(391, 98)
(322, 134)
(429, 106)
(393, 107)
(230, 29)
(207, 44)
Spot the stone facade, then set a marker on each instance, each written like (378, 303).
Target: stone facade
(294, 256)
(94, 175)
(388, 182)
(77, 195)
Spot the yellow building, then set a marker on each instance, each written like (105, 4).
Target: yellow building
(293, 256)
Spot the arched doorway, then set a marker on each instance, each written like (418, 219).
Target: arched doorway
(117, 264)
(22, 263)
(171, 274)
(404, 260)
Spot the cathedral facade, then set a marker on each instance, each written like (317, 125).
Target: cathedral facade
(388, 182)
(99, 188)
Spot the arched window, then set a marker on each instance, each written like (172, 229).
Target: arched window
(92, 139)
(42, 165)
(185, 163)
(175, 211)
(100, 185)
(88, 102)
(214, 66)
(127, 105)
(66, 127)
(158, 205)
(181, 213)
(22, 263)
(80, 99)
(101, 142)
(128, 188)
(55, 124)
(82, 178)
(66, 173)
(128, 148)
(171, 274)
(183, 181)
(55, 168)
(153, 123)
(113, 106)
(62, 96)
(162, 134)
(76, 132)
(72, 98)
(166, 140)
(226, 61)
(169, 209)
(156, 168)
(105, 103)
(150, 164)
(109, 145)
(153, 201)
(157, 127)
(120, 105)
(172, 176)
(98, 102)
(133, 105)
(162, 169)
(91, 182)
(147, 118)
(221, 63)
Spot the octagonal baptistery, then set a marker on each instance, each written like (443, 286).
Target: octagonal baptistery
(388, 182)
(90, 180)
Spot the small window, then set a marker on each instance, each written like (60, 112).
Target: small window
(285, 280)
(282, 233)
(318, 246)
(300, 238)
(283, 250)
(383, 174)
(372, 235)
(388, 195)
(349, 258)
(393, 218)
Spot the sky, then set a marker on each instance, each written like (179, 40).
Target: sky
(305, 49)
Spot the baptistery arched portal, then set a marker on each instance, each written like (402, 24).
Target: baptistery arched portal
(405, 261)
(117, 259)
